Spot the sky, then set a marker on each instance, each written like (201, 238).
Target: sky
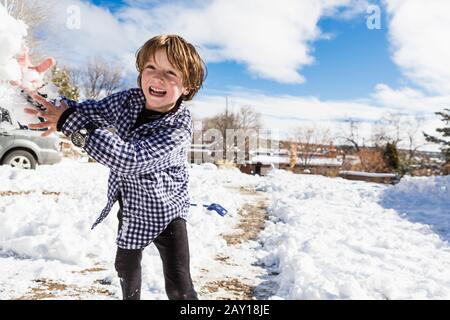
(297, 62)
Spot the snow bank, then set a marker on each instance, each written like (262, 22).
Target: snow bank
(421, 192)
(424, 200)
(48, 213)
(331, 239)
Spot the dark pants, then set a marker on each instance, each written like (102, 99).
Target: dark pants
(173, 248)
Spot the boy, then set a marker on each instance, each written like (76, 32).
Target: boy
(147, 157)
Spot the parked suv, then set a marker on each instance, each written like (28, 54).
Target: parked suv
(23, 148)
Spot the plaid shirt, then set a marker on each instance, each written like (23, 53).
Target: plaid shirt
(148, 164)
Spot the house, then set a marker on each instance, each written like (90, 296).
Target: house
(320, 159)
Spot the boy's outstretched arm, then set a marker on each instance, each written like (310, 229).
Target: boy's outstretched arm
(162, 148)
(103, 113)
(159, 151)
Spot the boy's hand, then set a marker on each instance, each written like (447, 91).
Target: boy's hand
(51, 114)
(26, 66)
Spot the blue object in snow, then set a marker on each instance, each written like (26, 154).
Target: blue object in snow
(214, 207)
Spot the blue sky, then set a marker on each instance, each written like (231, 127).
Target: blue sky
(347, 66)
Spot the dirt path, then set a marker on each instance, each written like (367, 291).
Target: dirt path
(233, 275)
(236, 275)
(51, 289)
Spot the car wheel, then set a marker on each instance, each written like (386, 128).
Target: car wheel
(20, 159)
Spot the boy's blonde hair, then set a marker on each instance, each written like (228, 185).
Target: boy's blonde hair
(181, 54)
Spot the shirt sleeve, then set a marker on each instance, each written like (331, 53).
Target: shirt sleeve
(161, 149)
(103, 113)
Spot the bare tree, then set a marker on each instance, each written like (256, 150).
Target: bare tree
(98, 79)
(248, 118)
(238, 130)
(351, 133)
(310, 142)
(249, 124)
(393, 124)
(411, 129)
(387, 130)
(219, 124)
(222, 122)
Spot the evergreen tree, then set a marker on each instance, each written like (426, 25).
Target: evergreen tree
(445, 132)
(61, 79)
(390, 156)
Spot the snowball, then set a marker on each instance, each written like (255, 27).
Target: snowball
(13, 101)
(30, 77)
(10, 71)
(50, 90)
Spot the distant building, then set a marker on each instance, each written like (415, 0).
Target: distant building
(200, 153)
(327, 160)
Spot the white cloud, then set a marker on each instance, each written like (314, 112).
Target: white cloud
(284, 114)
(295, 108)
(350, 11)
(418, 32)
(100, 34)
(409, 100)
(272, 40)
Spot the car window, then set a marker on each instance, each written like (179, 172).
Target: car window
(5, 116)
(25, 127)
(37, 106)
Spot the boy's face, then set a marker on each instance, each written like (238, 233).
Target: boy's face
(161, 83)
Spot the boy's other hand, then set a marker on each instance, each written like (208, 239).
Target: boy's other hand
(51, 114)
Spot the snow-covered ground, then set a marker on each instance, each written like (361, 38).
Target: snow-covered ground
(325, 238)
(45, 232)
(340, 239)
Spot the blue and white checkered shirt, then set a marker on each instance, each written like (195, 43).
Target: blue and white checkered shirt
(148, 164)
